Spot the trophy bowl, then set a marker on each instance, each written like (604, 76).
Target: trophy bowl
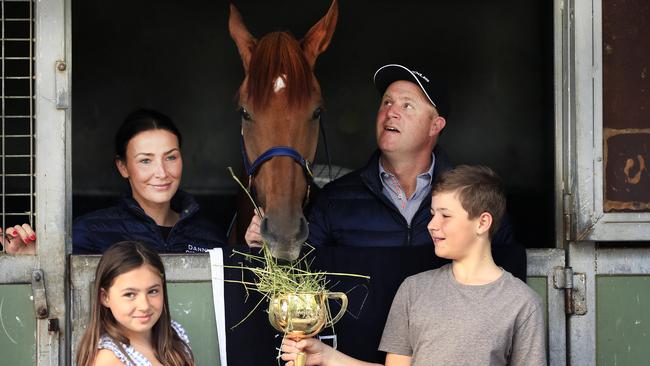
(304, 314)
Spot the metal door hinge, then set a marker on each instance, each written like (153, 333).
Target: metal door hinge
(574, 286)
(38, 292)
(40, 301)
(566, 215)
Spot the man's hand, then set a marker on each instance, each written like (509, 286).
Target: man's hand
(253, 236)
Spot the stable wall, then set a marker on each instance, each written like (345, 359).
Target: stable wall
(178, 57)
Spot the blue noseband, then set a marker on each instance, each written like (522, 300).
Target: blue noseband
(251, 169)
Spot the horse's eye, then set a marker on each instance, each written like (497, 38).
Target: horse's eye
(317, 113)
(244, 114)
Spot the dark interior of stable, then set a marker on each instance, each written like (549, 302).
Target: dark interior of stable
(177, 57)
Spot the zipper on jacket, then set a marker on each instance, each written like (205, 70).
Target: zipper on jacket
(383, 199)
(408, 234)
(183, 215)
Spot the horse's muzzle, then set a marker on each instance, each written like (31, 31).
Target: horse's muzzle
(285, 238)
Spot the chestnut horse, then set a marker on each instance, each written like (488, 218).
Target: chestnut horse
(280, 105)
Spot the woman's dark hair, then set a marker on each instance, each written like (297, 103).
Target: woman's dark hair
(120, 258)
(140, 121)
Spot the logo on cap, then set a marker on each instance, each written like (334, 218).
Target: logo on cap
(420, 75)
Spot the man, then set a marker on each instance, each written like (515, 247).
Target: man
(386, 203)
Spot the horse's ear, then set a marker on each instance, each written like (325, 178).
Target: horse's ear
(319, 36)
(243, 39)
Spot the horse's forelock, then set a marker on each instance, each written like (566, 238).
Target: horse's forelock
(278, 54)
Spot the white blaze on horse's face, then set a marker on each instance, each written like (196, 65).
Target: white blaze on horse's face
(279, 83)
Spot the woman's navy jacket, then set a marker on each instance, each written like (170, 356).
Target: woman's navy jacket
(94, 232)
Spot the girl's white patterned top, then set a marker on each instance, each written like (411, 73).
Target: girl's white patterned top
(106, 342)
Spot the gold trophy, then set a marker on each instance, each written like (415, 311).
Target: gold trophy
(304, 314)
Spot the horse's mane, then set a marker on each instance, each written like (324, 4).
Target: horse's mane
(278, 54)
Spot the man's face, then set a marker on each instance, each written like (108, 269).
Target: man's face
(407, 123)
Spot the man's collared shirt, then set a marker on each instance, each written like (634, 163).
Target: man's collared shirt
(407, 206)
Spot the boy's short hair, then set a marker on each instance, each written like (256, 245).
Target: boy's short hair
(479, 190)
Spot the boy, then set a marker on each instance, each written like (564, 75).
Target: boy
(469, 312)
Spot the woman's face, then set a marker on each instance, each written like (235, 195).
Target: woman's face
(136, 300)
(153, 165)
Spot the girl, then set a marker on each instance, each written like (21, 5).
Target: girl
(155, 211)
(130, 322)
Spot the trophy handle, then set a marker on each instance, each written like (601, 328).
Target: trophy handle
(301, 359)
(344, 305)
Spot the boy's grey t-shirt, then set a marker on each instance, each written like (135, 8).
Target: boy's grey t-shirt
(438, 321)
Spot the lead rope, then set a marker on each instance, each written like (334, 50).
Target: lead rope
(327, 150)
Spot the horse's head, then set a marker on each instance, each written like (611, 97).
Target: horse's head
(280, 101)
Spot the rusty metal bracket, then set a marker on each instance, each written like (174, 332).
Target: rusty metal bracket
(575, 289)
(579, 294)
(38, 292)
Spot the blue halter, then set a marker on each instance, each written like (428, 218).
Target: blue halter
(251, 169)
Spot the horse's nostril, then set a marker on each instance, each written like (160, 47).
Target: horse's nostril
(289, 231)
(264, 226)
(284, 238)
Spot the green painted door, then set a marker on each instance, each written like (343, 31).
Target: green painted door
(615, 329)
(17, 325)
(622, 320)
(191, 305)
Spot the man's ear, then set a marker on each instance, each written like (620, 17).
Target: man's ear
(121, 167)
(437, 125)
(484, 223)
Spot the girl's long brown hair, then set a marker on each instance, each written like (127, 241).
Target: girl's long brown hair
(120, 258)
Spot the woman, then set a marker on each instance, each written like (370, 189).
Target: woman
(156, 212)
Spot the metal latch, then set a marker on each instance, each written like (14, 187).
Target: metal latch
(574, 286)
(38, 292)
(61, 85)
